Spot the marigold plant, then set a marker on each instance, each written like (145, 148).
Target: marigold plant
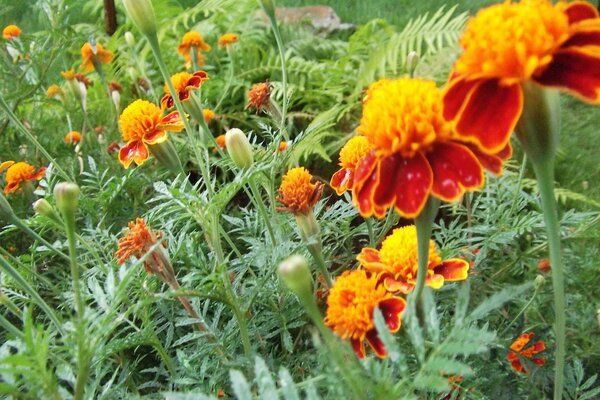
(297, 192)
(193, 40)
(183, 82)
(88, 53)
(11, 32)
(518, 352)
(19, 173)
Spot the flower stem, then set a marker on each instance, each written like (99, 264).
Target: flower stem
(544, 171)
(238, 313)
(279, 41)
(424, 225)
(262, 209)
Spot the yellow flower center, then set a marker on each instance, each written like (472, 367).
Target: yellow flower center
(180, 82)
(19, 172)
(399, 253)
(512, 40)
(403, 115)
(297, 192)
(351, 302)
(353, 151)
(139, 119)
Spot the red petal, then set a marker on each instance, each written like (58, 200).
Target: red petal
(455, 169)
(184, 95)
(11, 187)
(392, 309)
(453, 269)
(388, 172)
(133, 152)
(413, 185)
(575, 71)
(492, 162)
(341, 180)
(516, 365)
(490, 115)
(166, 101)
(171, 122)
(358, 347)
(539, 361)
(456, 94)
(376, 343)
(580, 10)
(39, 174)
(364, 185)
(583, 37)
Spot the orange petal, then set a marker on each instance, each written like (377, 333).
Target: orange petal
(6, 165)
(435, 281)
(11, 187)
(413, 184)
(455, 169)
(392, 309)
(376, 343)
(369, 259)
(580, 10)
(456, 94)
(341, 180)
(394, 286)
(490, 115)
(155, 137)
(39, 174)
(492, 162)
(133, 152)
(575, 71)
(358, 347)
(453, 269)
(521, 341)
(171, 122)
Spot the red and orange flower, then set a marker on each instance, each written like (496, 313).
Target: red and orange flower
(351, 154)
(510, 44)
(395, 263)
(415, 151)
(297, 192)
(11, 32)
(138, 240)
(73, 137)
(258, 96)
(143, 124)
(183, 82)
(88, 53)
(192, 40)
(517, 352)
(350, 305)
(227, 39)
(18, 174)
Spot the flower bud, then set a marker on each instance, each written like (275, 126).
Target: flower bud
(295, 274)
(239, 148)
(411, 62)
(539, 281)
(129, 39)
(67, 197)
(42, 207)
(116, 99)
(142, 15)
(82, 95)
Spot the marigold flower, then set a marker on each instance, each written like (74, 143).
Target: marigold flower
(192, 40)
(351, 154)
(88, 54)
(19, 173)
(350, 306)
(55, 91)
(68, 75)
(395, 263)
(84, 80)
(517, 353)
(297, 192)
(227, 39)
(73, 137)
(509, 44)
(11, 32)
(544, 265)
(137, 240)
(183, 82)
(415, 152)
(142, 124)
(283, 146)
(220, 140)
(208, 115)
(258, 96)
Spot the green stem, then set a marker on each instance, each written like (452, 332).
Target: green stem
(544, 171)
(519, 183)
(238, 313)
(535, 292)
(317, 253)
(261, 208)
(229, 80)
(279, 41)
(424, 225)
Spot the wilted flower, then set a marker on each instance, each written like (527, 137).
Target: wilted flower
(395, 263)
(11, 32)
(517, 352)
(183, 82)
(192, 40)
(297, 192)
(18, 174)
(258, 96)
(351, 154)
(138, 240)
(88, 53)
(73, 137)
(227, 39)
(350, 306)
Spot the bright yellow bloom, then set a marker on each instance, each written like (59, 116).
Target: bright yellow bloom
(73, 137)
(350, 156)
(142, 125)
(227, 39)
(258, 96)
(11, 32)
(18, 173)
(350, 306)
(183, 82)
(192, 40)
(55, 91)
(208, 114)
(87, 55)
(297, 192)
(68, 75)
(395, 263)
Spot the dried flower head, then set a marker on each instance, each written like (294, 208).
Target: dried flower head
(258, 96)
(297, 192)
(73, 137)
(137, 240)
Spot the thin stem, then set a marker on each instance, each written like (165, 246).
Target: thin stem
(519, 183)
(279, 41)
(544, 171)
(261, 208)
(316, 252)
(238, 313)
(424, 225)
(229, 79)
(535, 292)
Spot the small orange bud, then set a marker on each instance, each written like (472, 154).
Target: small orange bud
(544, 265)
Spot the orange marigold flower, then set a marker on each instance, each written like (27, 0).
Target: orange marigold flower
(88, 53)
(509, 44)
(208, 114)
(192, 40)
(351, 154)
(183, 83)
(19, 173)
(220, 140)
(68, 75)
(517, 352)
(227, 39)
(544, 265)
(73, 137)
(297, 191)
(137, 240)
(395, 263)
(11, 32)
(143, 124)
(258, 96)
(350, 305)
(415, 152)
(55, 91)
(283, 146)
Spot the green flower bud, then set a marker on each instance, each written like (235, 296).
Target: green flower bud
(67, 197)
(411, 62)
(539, 281)
(142, 14)
(129, 39)
(239, 148)
(42, 207)
(295, 274)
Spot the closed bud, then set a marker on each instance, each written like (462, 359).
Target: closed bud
(411, 62)
(129, 39)
(67, 197)
(539, 281)
(142, 15)
(42, 207)
(239, 148)
(295, 274)
(116, 99)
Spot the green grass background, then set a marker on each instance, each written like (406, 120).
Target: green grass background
(578, 166)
